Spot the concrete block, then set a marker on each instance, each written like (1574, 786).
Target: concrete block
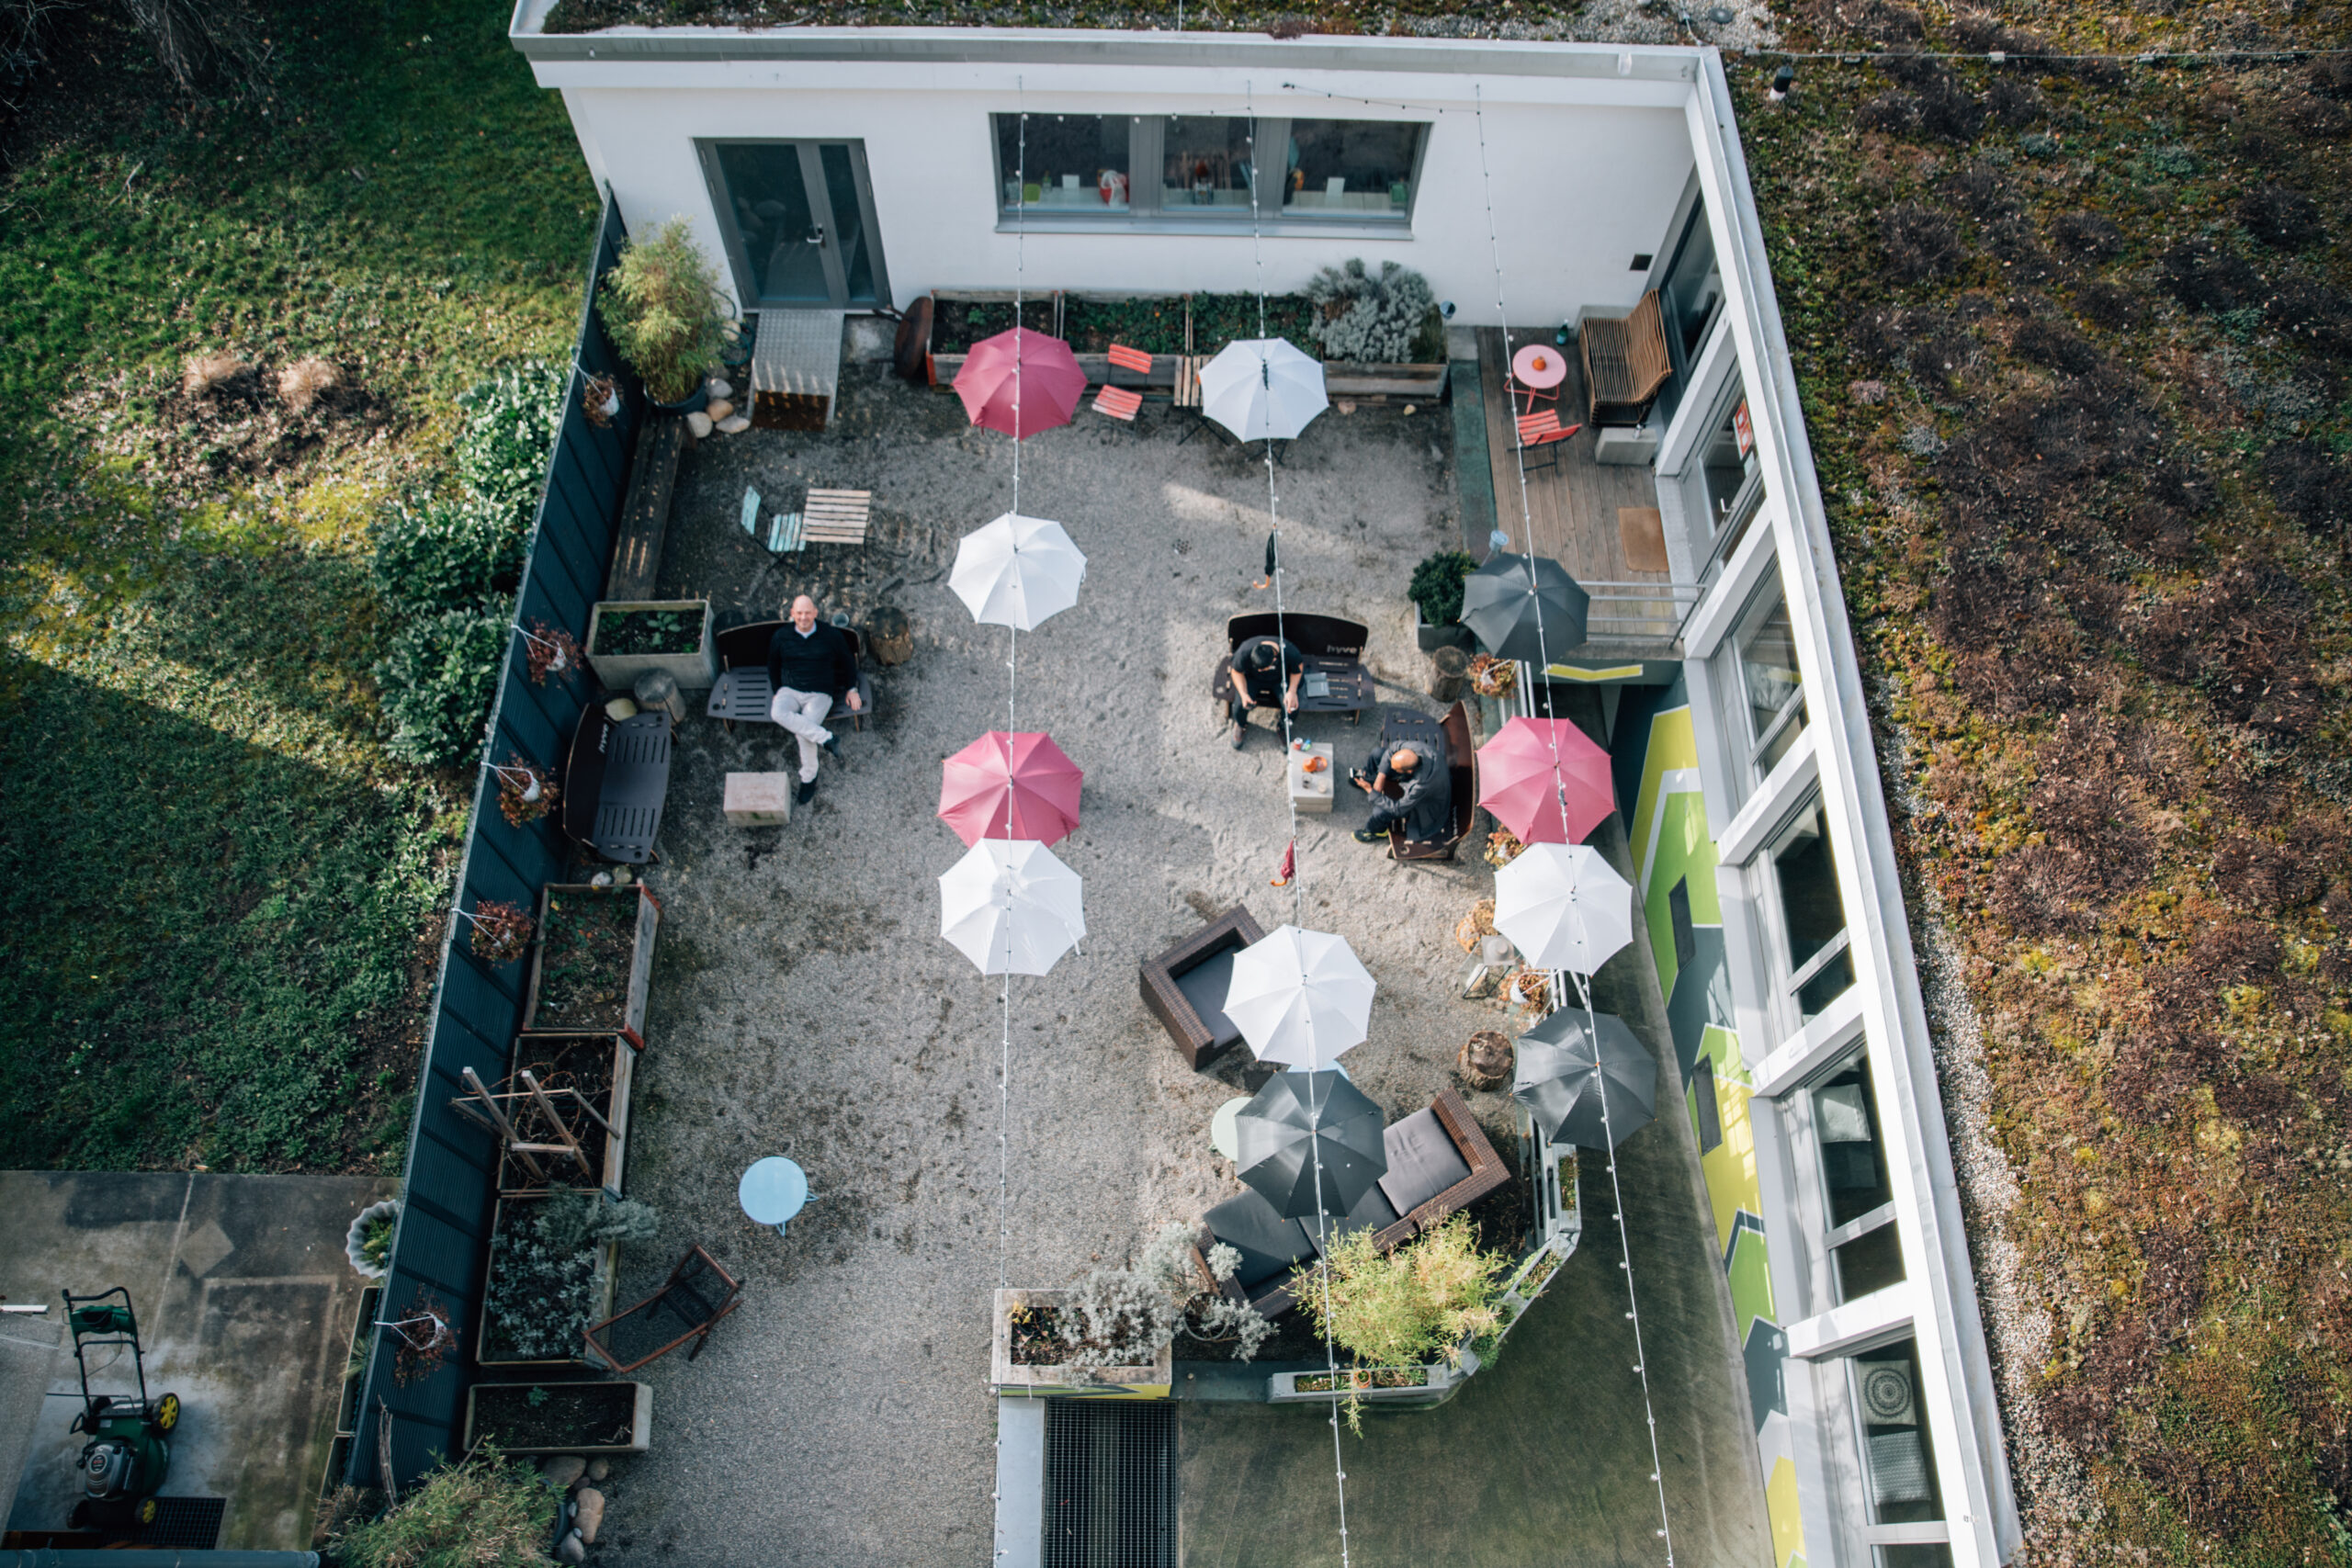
(759, 800)
(1616, 444)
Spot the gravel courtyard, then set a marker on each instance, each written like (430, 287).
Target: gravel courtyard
(805, 1004)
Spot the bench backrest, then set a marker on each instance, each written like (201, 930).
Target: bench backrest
(1318, 637)
(740, 647)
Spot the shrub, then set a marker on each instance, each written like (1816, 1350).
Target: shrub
(1425, 1299)
(485, 1511)
(1378, 320)
(2283, 218)
(437, 682)
(435, 553)
(1437, 585)
(303, 383)
(1120, 1317)
(511, 422)
(1920, 242)
(661, 303)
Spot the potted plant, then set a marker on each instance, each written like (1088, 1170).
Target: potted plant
(554, 1257)
(1414, 1319)
(560, 1417)
(594, 963)
(368, 1243)
(500, 931)
(1436, 593)
(629, 637)
(1114, 1331)
(664, 307)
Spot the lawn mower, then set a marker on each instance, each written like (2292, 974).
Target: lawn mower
(124, 1462)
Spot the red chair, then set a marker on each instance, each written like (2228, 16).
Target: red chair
(1543, 431)
(1119, 402)
(1133, 359)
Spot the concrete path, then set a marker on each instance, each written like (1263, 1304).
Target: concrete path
(245, 1307)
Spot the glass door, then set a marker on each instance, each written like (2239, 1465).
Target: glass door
(798, 219)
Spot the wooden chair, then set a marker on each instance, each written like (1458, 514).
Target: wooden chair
(615, 784)
(1133, 359)
(688, 1306)
(1119, 402)
(746, 648)
(1462, 770)
(836, 516)
(1543, 432)
(1184, 987)
(1624, 362)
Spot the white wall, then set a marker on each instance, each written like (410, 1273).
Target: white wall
(1579, 190)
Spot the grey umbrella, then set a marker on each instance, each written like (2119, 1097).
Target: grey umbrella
(1294, 1119)
(1501, 602)
(1561, 1078)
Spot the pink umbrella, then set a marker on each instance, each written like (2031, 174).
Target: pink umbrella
(1516, 781)
(1019, 382)
(1010, 786)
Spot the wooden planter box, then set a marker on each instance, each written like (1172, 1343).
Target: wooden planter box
(1152, 1382)
(1436, 1385)
(347, 1409)
(695, 672)
(600, 1305)
(640, 979)
(640, 1431)
(1353, 379)
(619, 1055)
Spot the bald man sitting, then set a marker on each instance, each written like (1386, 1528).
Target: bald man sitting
(811, 668)
(1425, 806)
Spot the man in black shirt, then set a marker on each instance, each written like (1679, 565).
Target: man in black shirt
(1254, 677)
(811, 667)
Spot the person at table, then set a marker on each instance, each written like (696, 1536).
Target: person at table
(1424, 805)
(1254, 678)
(811, 667)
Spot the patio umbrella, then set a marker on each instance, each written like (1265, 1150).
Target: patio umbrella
(1262, 389)
(1015, 571)
(1011, 907)
(1501, 600)
(1564, 907)
(1010, 786)
(1562, 1076)
(1299, 998)
(1529, 765)
(1299, 1120)
(1019, 382)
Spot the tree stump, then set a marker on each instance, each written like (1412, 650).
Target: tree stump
(889, 636)
(1485, 1060)
(1449, 670)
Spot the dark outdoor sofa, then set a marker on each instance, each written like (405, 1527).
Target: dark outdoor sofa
(1438, 1161)
(1185, 987)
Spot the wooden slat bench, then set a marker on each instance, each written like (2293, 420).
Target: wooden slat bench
(1624, 362)
(836, 516)
(644, 515)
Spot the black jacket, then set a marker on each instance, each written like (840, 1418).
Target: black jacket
(821, 662)
(1426, 808)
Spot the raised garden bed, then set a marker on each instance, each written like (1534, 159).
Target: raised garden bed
(601, 1067)
(1372, 1386)
(630, 637)
(560, 1417)
(1025, 1342)
(592, 962)
(535, 1300)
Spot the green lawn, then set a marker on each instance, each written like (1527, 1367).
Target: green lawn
(222, 890)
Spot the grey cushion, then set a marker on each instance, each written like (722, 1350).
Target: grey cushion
(1268, 1243)
(1205, 985)
(1371, 1212)
(1422, 1161)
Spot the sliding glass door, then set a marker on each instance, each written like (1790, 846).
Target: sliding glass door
(798, 219)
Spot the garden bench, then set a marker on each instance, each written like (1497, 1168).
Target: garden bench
(1461, 768)
(1184, 987)
(1624, 362)
(1440, 1161)
(617, 782)
(645, 514)
(1333, 649)
(742, 693)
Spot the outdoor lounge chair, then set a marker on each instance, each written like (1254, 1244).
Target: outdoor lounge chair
(1333, 649)
(1184, 987)
(615, 784)
(1461, 765)
(1438, 1161)
(1541, 434)
(745, 648)
(1624, 362)
(688, 1306)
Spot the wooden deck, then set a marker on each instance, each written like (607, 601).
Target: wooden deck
(1575, 506)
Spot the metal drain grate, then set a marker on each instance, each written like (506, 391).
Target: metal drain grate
(185, 1524)
(1110, 1483)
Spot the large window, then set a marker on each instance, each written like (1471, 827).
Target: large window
(1691, 297)
(1730, 473)
(1123, 172)
(1898, 1456)
(1820, 964)
(1865, 1249)
(1771, 693)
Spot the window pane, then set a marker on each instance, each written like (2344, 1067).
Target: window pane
(1828, 983)
(1354, 168)
(1811, 910)
(1872, 1261)
(849, 222)
(1695, 287)
(1932, 1555)
(1073, 162)
(773, 219)
(1206, 165)
(1895, 1450)
(1845, 1126)
(1769, 680)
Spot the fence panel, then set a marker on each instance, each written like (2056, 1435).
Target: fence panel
(451, 1175)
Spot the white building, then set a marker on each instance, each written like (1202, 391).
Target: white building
(857, 169)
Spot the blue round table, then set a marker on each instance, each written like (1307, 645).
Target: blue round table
(772, 1190)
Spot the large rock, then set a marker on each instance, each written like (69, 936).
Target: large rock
(571, 1549)
(562, 1471)
(718, 409)
(700, 424)
(591, 1514)
(734, 424)
(599, 1468)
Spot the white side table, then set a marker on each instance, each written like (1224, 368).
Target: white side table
(1310, 792)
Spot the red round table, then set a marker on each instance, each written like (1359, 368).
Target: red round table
(1538, 367)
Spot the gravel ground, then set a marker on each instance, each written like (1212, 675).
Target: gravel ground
(804, 1004)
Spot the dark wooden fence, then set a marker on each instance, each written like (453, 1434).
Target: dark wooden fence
(451, 1179)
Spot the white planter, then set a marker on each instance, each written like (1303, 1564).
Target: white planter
(366, 1269)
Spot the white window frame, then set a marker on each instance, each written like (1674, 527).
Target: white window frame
(1764, 886)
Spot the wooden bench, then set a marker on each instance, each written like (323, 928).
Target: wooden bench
(1624, 362)
(644, 515)
(836, 516)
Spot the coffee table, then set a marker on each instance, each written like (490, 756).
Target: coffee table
(1538, 367)
(772, 1190)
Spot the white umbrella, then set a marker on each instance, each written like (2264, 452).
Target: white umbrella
(1299, 998)
(1262, 389)
(1564, 907)
(1017, 571)
(1011, 907)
